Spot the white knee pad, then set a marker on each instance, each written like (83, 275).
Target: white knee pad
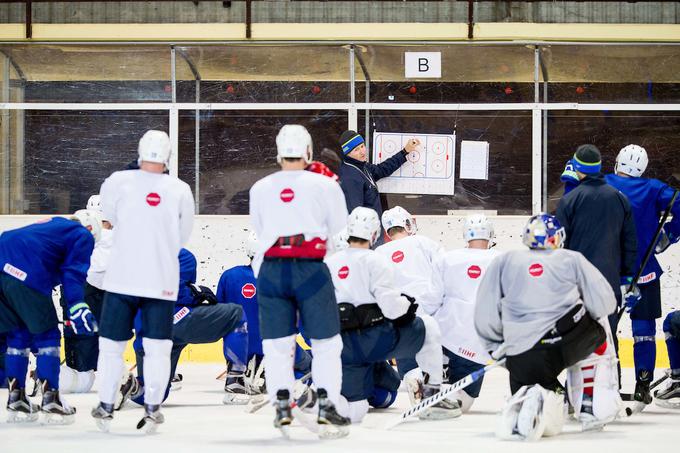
(531, 413)
(279, 356)
(356, 410)
(327, 365)
(156, 369)
(72, 381)
(429, 357)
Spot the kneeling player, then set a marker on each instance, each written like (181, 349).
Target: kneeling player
(545, 309)
(455, 279)
(669, 396)
(377, 323)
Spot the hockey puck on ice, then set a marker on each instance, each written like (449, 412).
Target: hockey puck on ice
(343, 272)
(474, 271)
(248, 291)
(287, 195)
(398, 256)
(153, 199)
(536, 270)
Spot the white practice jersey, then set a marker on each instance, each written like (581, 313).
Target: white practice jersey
(152, 216)
(288, 203)
(362, 276)
(100, 259)
(455, 280)
(412, 258)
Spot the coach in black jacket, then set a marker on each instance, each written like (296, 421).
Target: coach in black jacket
(358, 178)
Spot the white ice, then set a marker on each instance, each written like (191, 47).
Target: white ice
(197, 421)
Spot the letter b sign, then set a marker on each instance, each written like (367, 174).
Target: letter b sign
(423, 65)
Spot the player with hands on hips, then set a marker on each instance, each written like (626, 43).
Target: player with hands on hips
(455, 279)
(545, 309)
(378, 322)
(35, 259)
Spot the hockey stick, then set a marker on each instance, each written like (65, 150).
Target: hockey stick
(650, 249)
(437, 397)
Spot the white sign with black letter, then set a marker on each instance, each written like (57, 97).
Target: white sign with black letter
(423, 65)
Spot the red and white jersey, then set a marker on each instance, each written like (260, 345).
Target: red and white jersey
(412, 258)
(362, 276)
(152, 216)
(288, 203)
(455, 280)
(99, 259)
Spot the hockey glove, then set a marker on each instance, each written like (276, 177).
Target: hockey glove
(630, 295)
(81, 319)
(202, 294)
(410, 314)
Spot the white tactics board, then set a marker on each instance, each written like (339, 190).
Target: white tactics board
(428, 170)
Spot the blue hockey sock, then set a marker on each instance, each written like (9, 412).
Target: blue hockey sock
(672, 342)
(16, 365)
(235, 348)
(644, 346)
(47, 368)
(382, 398)
(303, 362)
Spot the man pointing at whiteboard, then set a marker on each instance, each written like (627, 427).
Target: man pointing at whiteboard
(358, 178)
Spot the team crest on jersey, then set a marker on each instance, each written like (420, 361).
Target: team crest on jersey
(343, 272)
(398, 256)
(474, 271)
(287, 195)
(248, 291)
(153, 199)
(535, 270)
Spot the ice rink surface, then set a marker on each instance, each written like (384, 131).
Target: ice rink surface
(197, 421)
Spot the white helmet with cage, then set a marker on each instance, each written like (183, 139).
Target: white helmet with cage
(632, 160)
(477, 226)
(154, 146)
(251, 245)
(339, 241)
(293, 141)
(399, 217)
(363, 223)
(91, 220)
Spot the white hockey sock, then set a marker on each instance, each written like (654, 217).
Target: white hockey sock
(72, 381)
(327, 366)
(356, 410)
(429, 357)
(108, 366)
(279, 356)
(156, 369)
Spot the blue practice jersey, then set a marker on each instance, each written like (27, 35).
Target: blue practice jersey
(48, 253)
(238, 286)
(648, 198)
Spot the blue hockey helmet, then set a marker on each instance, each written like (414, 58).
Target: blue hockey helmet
(543, 231)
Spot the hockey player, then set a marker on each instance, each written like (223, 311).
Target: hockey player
(293, 213)
(455, 280)
(648, 199)
(153, 215)
(545, 310)
(81, 351)
(34, 260)
(669, 396)
(377, 322)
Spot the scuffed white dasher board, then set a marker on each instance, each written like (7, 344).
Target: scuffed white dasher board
(429, 170)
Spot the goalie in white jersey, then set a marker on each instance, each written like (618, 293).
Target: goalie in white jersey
(455, 281)
(294, 213)
(153, 214)
(379, 323)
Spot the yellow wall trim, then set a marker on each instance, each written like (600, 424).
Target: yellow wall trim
(347, 32)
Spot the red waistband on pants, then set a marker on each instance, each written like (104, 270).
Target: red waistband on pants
(297, 247)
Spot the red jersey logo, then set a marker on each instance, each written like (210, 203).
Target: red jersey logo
(398, 256)
(248, 291)
(343, 272)
(536, 270)
(474, 271)
(153, 199)
(287, 195)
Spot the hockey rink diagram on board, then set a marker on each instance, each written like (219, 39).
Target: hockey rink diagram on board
(428, 170)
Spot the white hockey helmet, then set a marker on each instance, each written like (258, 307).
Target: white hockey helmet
(154, 146)
(477, 226)
(251, 245)
(363, 223)
(94, 203)
(632, 160)
(293, 141)
(339, 241)
(91, 220)
(399, 217)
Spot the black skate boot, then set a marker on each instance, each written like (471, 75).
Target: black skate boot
(103, 414)
(235, 388)
(442, 410)
(642, 393)
(129, 389)
(176, 382)
(57, 412)
(283, 417)
(152, 418)
(331, 424)
(19, 407)
(669, 396)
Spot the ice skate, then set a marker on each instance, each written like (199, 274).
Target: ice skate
(235, 388)
(176, 382)
(669, 396)
(331, 424)
(304, 395)
(152, 418)
(128, 390)
(283, 417)
(442, 410)
(642, 392)
(57, 412)
(19, 407)
(103, 414)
